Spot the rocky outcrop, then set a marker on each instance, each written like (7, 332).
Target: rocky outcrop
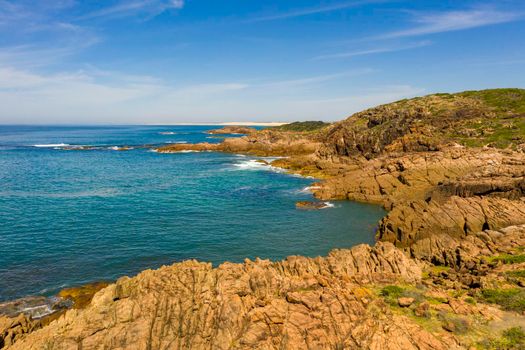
(297, 303)
(232, 129)
(264, 143)
(469, 250)
(14, 329)
(455, 192)
(475, 118)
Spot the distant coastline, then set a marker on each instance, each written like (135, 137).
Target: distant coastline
(224, 123)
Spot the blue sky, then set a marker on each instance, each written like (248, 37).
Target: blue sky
(171, 61)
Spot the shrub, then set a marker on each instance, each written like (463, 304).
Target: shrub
(516, 273)
(515, 337)
(470, 300)
(510, 259)
(512, 299)
(511, 339)
(303, 126)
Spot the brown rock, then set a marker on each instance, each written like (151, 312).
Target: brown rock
(233, 130)
(307, 303)
(422, 310)
(14, 329)
(308, 205)
(405, 302)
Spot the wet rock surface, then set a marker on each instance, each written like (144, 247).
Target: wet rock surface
(310, 205)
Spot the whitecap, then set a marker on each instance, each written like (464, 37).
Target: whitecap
(309, 189)
(167, 133)
(38, 311)
(253, 164)
(178, 142)
(118, 148)
(51, 145)
(328, 205)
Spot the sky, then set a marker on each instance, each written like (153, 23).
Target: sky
(202, 61)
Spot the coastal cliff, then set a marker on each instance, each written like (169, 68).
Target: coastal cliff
(447, 271)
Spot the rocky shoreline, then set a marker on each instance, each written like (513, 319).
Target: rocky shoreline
(447, 271)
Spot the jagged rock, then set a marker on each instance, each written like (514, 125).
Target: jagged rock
(297, 303)
(15, 328)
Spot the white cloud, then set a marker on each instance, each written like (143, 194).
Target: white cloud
(314, 10)
(378, 50)
(432, 23)
(314, 80)
(97, 96)
(129, 8)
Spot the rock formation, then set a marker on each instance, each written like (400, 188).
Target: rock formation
(232, 129)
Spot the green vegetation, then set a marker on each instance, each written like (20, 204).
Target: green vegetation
(302, 126)
(470, 300)
(516, 273)
(392, 293)
(511, 339)
(502, 100)
(507, 124)
(494, 118)
(511, 299)
(510, 259)
(424, 310)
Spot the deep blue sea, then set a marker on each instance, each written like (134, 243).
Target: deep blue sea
(69, 217)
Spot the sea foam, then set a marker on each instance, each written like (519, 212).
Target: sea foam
(253, 164)
(51, 145)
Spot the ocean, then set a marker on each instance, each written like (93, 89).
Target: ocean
(70, 217)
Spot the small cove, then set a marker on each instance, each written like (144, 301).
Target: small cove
(73, 217)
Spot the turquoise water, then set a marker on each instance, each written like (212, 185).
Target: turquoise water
(72, 217)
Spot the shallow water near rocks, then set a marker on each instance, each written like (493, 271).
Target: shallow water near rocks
(70, 217)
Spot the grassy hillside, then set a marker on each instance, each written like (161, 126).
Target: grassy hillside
(473, 118)
(302, 126)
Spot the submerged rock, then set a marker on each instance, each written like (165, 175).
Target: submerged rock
(309, 205)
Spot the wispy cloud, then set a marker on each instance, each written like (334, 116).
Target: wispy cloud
(432, 23)
(377, 50)
(313, 10)
(315, 80)
(129, 8)
(94, 95)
